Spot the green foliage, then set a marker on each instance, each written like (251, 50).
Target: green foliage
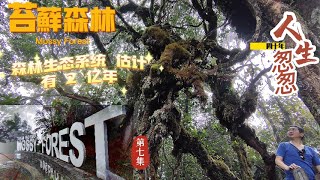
(25, 47)
(14, 127)
(284, 112)
(182, 16)
(9, 99)
(187, 122)
(60, 110)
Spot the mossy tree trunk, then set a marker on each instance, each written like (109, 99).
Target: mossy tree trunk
(245, 166)
(151, 94)
(154, 113)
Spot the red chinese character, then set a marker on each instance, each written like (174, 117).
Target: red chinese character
(286, 83)
(282, 68)
(305, 54)
(288, 25)
(282, 62)
(140, 158)
(285, 78)
(286, 90)
(286, 73)
(283, 56)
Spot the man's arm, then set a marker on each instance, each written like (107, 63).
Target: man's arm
(282, 165)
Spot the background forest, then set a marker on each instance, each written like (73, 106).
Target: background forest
(209, 114)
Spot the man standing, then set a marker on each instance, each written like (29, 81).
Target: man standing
(293, 154)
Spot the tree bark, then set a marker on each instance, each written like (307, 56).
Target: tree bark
(245, 166)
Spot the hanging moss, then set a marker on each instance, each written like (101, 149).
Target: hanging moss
(174, 51)
(155, 66)
(129, 78)
(157, 35)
